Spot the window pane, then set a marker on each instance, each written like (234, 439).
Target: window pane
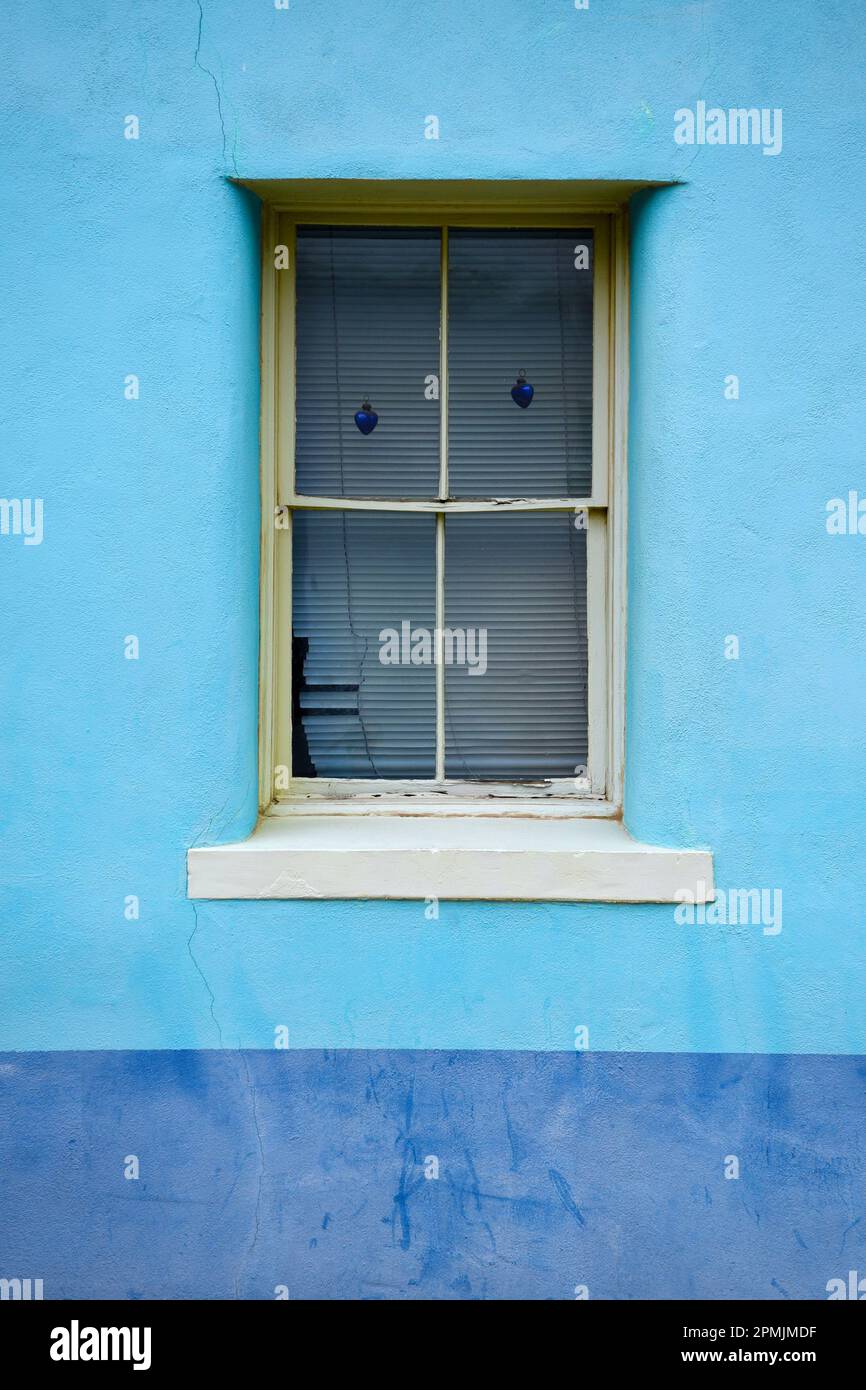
(367, 328)
(515, 604)
(518, 302)
(359, 709)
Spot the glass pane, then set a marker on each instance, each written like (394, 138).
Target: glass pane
(367, 330)
(363, 696)
(516, 656)
(520, 301)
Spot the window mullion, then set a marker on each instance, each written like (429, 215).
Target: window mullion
(438, 645)
(443, 365)
(440, 516)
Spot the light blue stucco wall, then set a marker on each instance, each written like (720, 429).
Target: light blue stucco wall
(139, 257)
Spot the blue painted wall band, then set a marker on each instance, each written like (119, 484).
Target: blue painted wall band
(431, 1174)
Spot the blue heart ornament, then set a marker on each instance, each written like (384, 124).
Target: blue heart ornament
(366, 418)
(522, 392)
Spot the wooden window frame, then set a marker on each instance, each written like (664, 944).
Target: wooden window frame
(600, 793)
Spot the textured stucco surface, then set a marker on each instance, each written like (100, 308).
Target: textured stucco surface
(307, 1170)
(139, 257)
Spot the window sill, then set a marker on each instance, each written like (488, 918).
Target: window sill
(529, 859)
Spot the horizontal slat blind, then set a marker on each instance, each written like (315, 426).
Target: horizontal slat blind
(355, 575)
(522, 579)
(367, 325)
(517, 301)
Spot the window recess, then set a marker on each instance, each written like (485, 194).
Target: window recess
(464, 507)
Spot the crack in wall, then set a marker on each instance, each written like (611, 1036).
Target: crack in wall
(261, 1175)
(708, 76)
(204, 835)
(207, 71)
(202, 974)
(255, 1117)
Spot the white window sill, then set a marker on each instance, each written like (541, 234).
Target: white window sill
(510, 858)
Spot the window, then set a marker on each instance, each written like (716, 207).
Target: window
(443, 594)
(441, 611)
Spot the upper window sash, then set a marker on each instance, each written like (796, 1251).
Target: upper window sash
(597, 496)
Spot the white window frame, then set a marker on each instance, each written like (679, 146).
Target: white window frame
(600, 793)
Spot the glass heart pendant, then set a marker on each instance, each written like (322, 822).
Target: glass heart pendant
(366, 418)
(521, 391)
